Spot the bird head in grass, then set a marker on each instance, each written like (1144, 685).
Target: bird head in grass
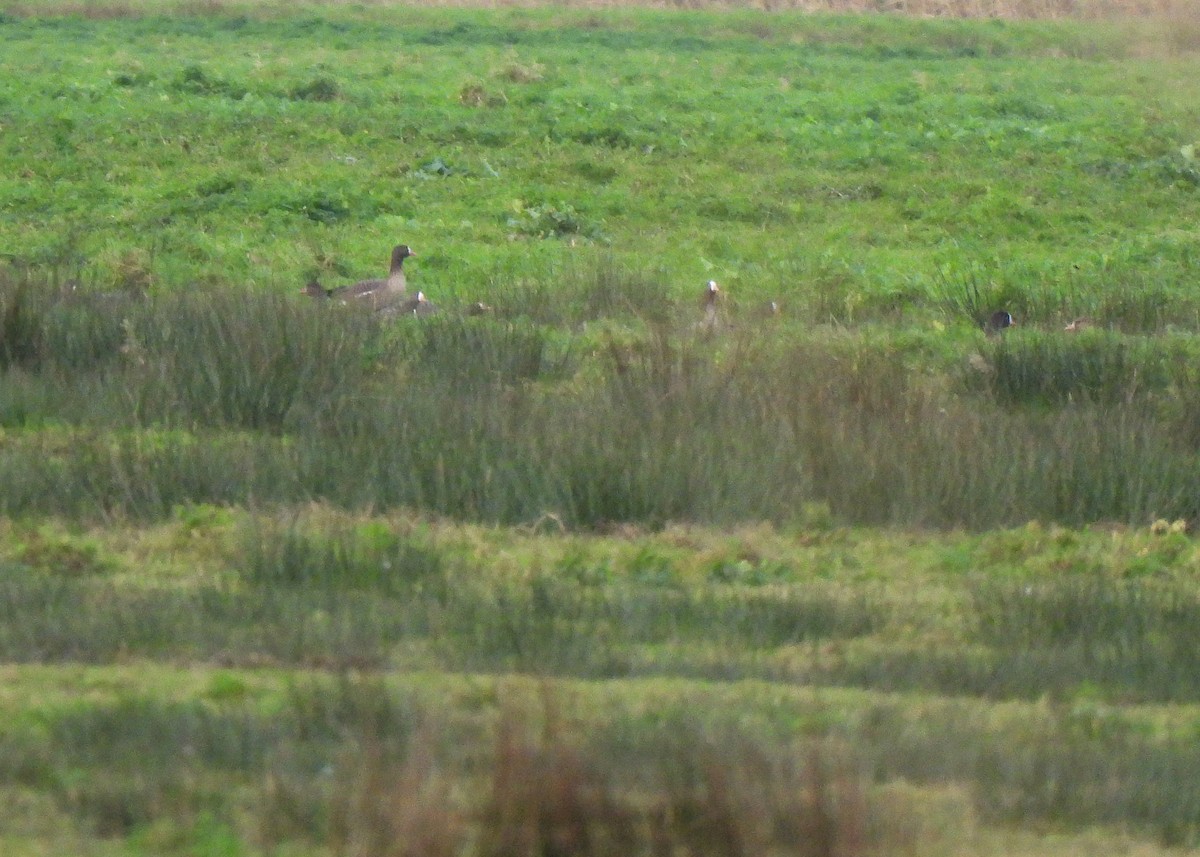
(997, 322)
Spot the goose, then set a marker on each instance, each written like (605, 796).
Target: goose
(418, 306)
(1079, 324)
(997, 322)
(379, 292)
(712, 294)
(316, 291)
(478, 308)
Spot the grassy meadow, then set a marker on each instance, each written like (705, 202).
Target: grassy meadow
(586, 574)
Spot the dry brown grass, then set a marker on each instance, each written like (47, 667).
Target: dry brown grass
(549, 793)
(397, 810)
(1011, 9)
(1187, 11)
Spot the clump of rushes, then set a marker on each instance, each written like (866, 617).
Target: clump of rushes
(557, 794)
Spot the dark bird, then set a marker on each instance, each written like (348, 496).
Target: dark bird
(316, 291)
(418, 306)
(997, 322)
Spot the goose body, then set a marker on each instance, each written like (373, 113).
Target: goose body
(382, 292)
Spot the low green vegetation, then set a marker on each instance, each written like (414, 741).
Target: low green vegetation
(841, 165)
(585, 572)
(316, 679)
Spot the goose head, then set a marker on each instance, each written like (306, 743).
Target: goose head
(399, 253)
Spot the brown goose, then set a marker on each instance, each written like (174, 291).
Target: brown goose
(378, 292)
(1079, 324)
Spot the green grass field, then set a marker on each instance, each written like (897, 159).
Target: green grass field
(585, 575)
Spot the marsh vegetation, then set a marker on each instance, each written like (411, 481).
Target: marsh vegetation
(826, 571)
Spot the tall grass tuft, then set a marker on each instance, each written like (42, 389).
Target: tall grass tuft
(581, 292)
(46, 325)
(973, 293)
(93, 474)
(370, 557)
(1135, 638)
(481, 350)
(1093, 366)
(224, 358)
(557, 794)
(1184, 410)
(20, 339)
(397, 807)
(1077, 762)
